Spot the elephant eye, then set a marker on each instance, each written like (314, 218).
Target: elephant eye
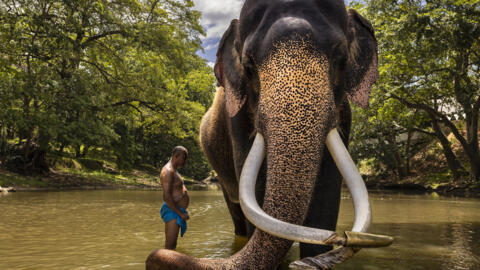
(339, 57)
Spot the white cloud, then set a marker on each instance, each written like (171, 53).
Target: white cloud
(211, 46)
(217, 15)
(211, 64)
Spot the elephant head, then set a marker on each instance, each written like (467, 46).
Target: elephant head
(288, 66)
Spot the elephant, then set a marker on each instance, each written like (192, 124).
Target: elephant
(286, 70)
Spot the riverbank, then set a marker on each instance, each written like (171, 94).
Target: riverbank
(143, 180)
(90, 180)
(425, 172)
(412, 185)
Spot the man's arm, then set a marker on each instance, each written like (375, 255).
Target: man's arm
(168, 195)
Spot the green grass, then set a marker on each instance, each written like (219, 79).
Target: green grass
(10, 179)
(134, 178)
(68, 171)
(78, 178)
(437, 178)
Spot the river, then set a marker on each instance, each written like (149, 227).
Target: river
(118, 229)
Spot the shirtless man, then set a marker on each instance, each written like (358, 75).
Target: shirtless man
(176, 198)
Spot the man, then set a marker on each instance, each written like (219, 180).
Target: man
(176, 198)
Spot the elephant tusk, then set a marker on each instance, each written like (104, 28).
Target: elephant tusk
(258, 217)
(303, 234)
(363, 213)
(354, 181)
(363, 216)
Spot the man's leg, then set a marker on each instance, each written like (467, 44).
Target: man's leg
(171, 234)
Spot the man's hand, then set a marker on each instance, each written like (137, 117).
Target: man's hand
(184, 216)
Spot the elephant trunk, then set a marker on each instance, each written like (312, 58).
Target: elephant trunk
(296, 111)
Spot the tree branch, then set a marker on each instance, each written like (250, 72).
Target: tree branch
(434, 113)
(102, 35)
(152, 106)
(150, 15)
(104, 73)
(423, 131)
(130, 105)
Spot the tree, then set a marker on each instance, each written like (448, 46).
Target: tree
(73, 73)
(385, 136)
(429, 62)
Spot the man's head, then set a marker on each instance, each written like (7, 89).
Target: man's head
(179, 156)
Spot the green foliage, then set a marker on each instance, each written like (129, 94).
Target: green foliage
(97, 74)
(429, 76)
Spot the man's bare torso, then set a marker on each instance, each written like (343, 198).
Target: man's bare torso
(179, 192)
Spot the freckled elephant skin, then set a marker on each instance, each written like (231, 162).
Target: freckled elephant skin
(284, 70)
(297, 107)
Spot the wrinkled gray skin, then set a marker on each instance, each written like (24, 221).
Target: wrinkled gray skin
(285, 70)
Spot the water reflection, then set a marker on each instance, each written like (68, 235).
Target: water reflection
(118, 229)
(461, 237)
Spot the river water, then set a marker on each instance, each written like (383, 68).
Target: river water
(118, 229)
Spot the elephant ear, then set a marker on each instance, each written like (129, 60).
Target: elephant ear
(229, 70)
(362, 67)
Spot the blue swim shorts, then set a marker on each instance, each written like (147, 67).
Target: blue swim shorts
(168, 214)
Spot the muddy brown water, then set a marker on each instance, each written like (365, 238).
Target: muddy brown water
(118, 229)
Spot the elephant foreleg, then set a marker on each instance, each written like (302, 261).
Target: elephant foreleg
(237, 215)
(323, 210)
(216, 144)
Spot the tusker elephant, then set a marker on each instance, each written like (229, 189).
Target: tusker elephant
(285, 72)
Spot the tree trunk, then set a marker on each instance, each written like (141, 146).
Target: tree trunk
(85, 151)
(37, 162)
(475, 170)
(3, 139)
(397, 158)
(471, 107)
(407, 151)
(10, 132)
(60, 150)
(453, 163)
(473, 155)
(78, 152)
(473, 151)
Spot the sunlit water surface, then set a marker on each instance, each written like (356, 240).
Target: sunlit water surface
(118, 229)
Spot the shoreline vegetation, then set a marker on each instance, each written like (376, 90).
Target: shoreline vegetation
(91, 174)
(61, 181)
(428, 173)
(143, 180)
(108, 178)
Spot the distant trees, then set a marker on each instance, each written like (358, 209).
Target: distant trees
(430, 82)
(98, 74)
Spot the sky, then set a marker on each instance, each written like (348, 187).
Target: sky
(216, 17)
